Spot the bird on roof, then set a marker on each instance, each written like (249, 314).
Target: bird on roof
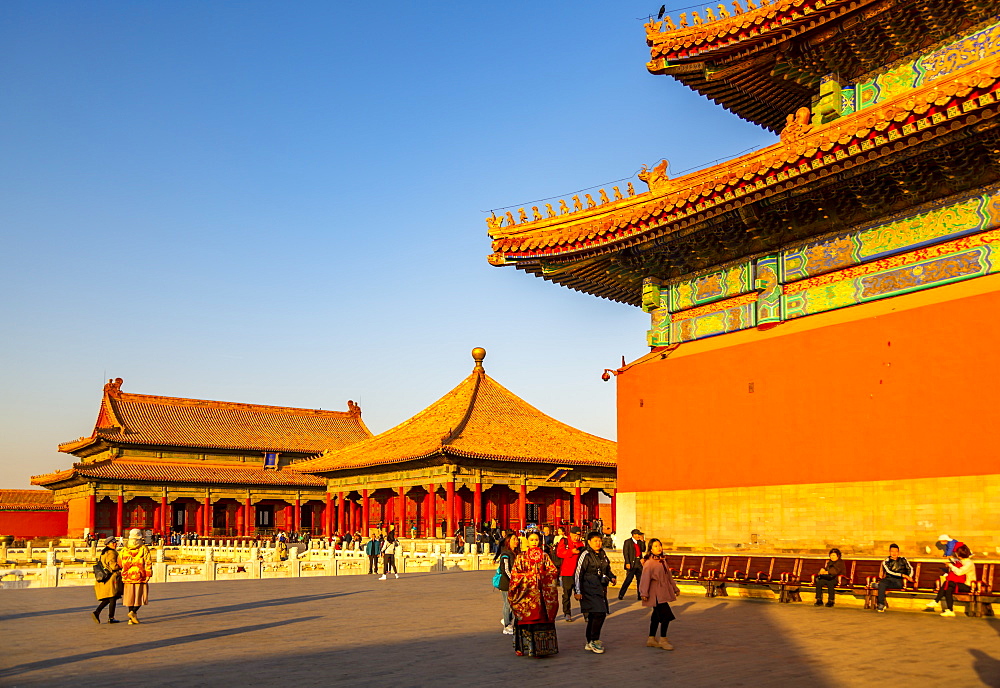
(663, 9)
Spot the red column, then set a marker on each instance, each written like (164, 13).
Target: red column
(164, 517)
(341, 513)
(356, 510)
(557, 521)
(327, 520)
(577, 507)
(248, 521)
(430, 528)
(366, 513)
(614, 511)
(120, 516)
(208, 515)
(92, 516)
(477, 506)
(401, 516)
(449, 508)
(241, 520)
(522, 506)
(297, 515)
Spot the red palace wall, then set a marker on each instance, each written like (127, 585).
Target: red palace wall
(863, 426)
(23, 524)
(902, 388)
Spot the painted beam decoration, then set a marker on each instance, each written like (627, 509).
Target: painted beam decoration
(954, 239)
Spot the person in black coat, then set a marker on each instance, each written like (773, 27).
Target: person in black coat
(632, 550)
(509, 549)
(590, 583)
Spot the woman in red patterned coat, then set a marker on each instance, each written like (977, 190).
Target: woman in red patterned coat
(534, 598)
(137, 569)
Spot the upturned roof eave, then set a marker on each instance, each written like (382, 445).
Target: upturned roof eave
(751, 177)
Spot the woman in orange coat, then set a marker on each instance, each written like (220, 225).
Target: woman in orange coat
(137, 569)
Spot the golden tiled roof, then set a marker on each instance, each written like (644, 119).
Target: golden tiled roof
(480, 419)
(29, 500)
(168, 421)
(187, 472)
(806, 156)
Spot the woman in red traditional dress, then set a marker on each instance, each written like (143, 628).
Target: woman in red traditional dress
(534, 597)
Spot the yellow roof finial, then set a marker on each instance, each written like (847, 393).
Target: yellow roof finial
(478, 354)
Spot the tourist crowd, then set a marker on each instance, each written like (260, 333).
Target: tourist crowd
(538, 572)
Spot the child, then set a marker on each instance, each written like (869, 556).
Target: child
(590, 582)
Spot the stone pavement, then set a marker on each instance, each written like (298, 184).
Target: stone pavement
(443, 630)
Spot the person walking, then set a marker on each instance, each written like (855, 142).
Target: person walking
(110, 589)
(136, 571)
(389, 549)
(508, 551)
(373, 549)
(590, 583)
(828, 577)
(568, 550)
(534, 599)
(895, 570)
(632, 550)
(657, 589)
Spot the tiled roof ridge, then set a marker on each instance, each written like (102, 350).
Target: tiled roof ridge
(746, 178)
(353, 409)
(16, 499)
(753, 24)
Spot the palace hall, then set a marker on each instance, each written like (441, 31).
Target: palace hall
(197, 466)
(479, 453)
(823, 326)
(229, 469)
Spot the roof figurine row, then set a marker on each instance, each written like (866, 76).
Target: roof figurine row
(667, 23)
(497, 221)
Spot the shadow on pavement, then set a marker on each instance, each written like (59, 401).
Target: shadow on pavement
(344, 655)
(146, 646)
(79, 610)
(257, 604)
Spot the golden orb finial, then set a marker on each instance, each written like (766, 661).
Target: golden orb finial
(478, 354)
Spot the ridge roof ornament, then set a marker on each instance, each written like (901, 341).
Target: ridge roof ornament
(478, 354)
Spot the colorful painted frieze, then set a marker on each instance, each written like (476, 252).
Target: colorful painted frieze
(980, 44)
(960, 259)
(714, 286)
(947, 219)
(953, 239)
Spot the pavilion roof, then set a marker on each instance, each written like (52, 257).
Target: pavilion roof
(762, 62)
(478, 419)
(29, 500)
(169, 421)
(714, 215)
(125, 470)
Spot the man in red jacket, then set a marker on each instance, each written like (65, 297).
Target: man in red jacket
(569, 549)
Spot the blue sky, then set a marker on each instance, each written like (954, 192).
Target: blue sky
(282, 203)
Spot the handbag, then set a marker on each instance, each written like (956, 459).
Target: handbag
(497, 577)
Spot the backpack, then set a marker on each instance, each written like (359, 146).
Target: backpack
(497, 577)
(100, 573)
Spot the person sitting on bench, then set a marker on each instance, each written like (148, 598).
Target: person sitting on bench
(828, 576)
(895, 570)
(961, 576)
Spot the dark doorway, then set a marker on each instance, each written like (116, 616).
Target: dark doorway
(265, 516)
(531, 513)
(179, 519)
